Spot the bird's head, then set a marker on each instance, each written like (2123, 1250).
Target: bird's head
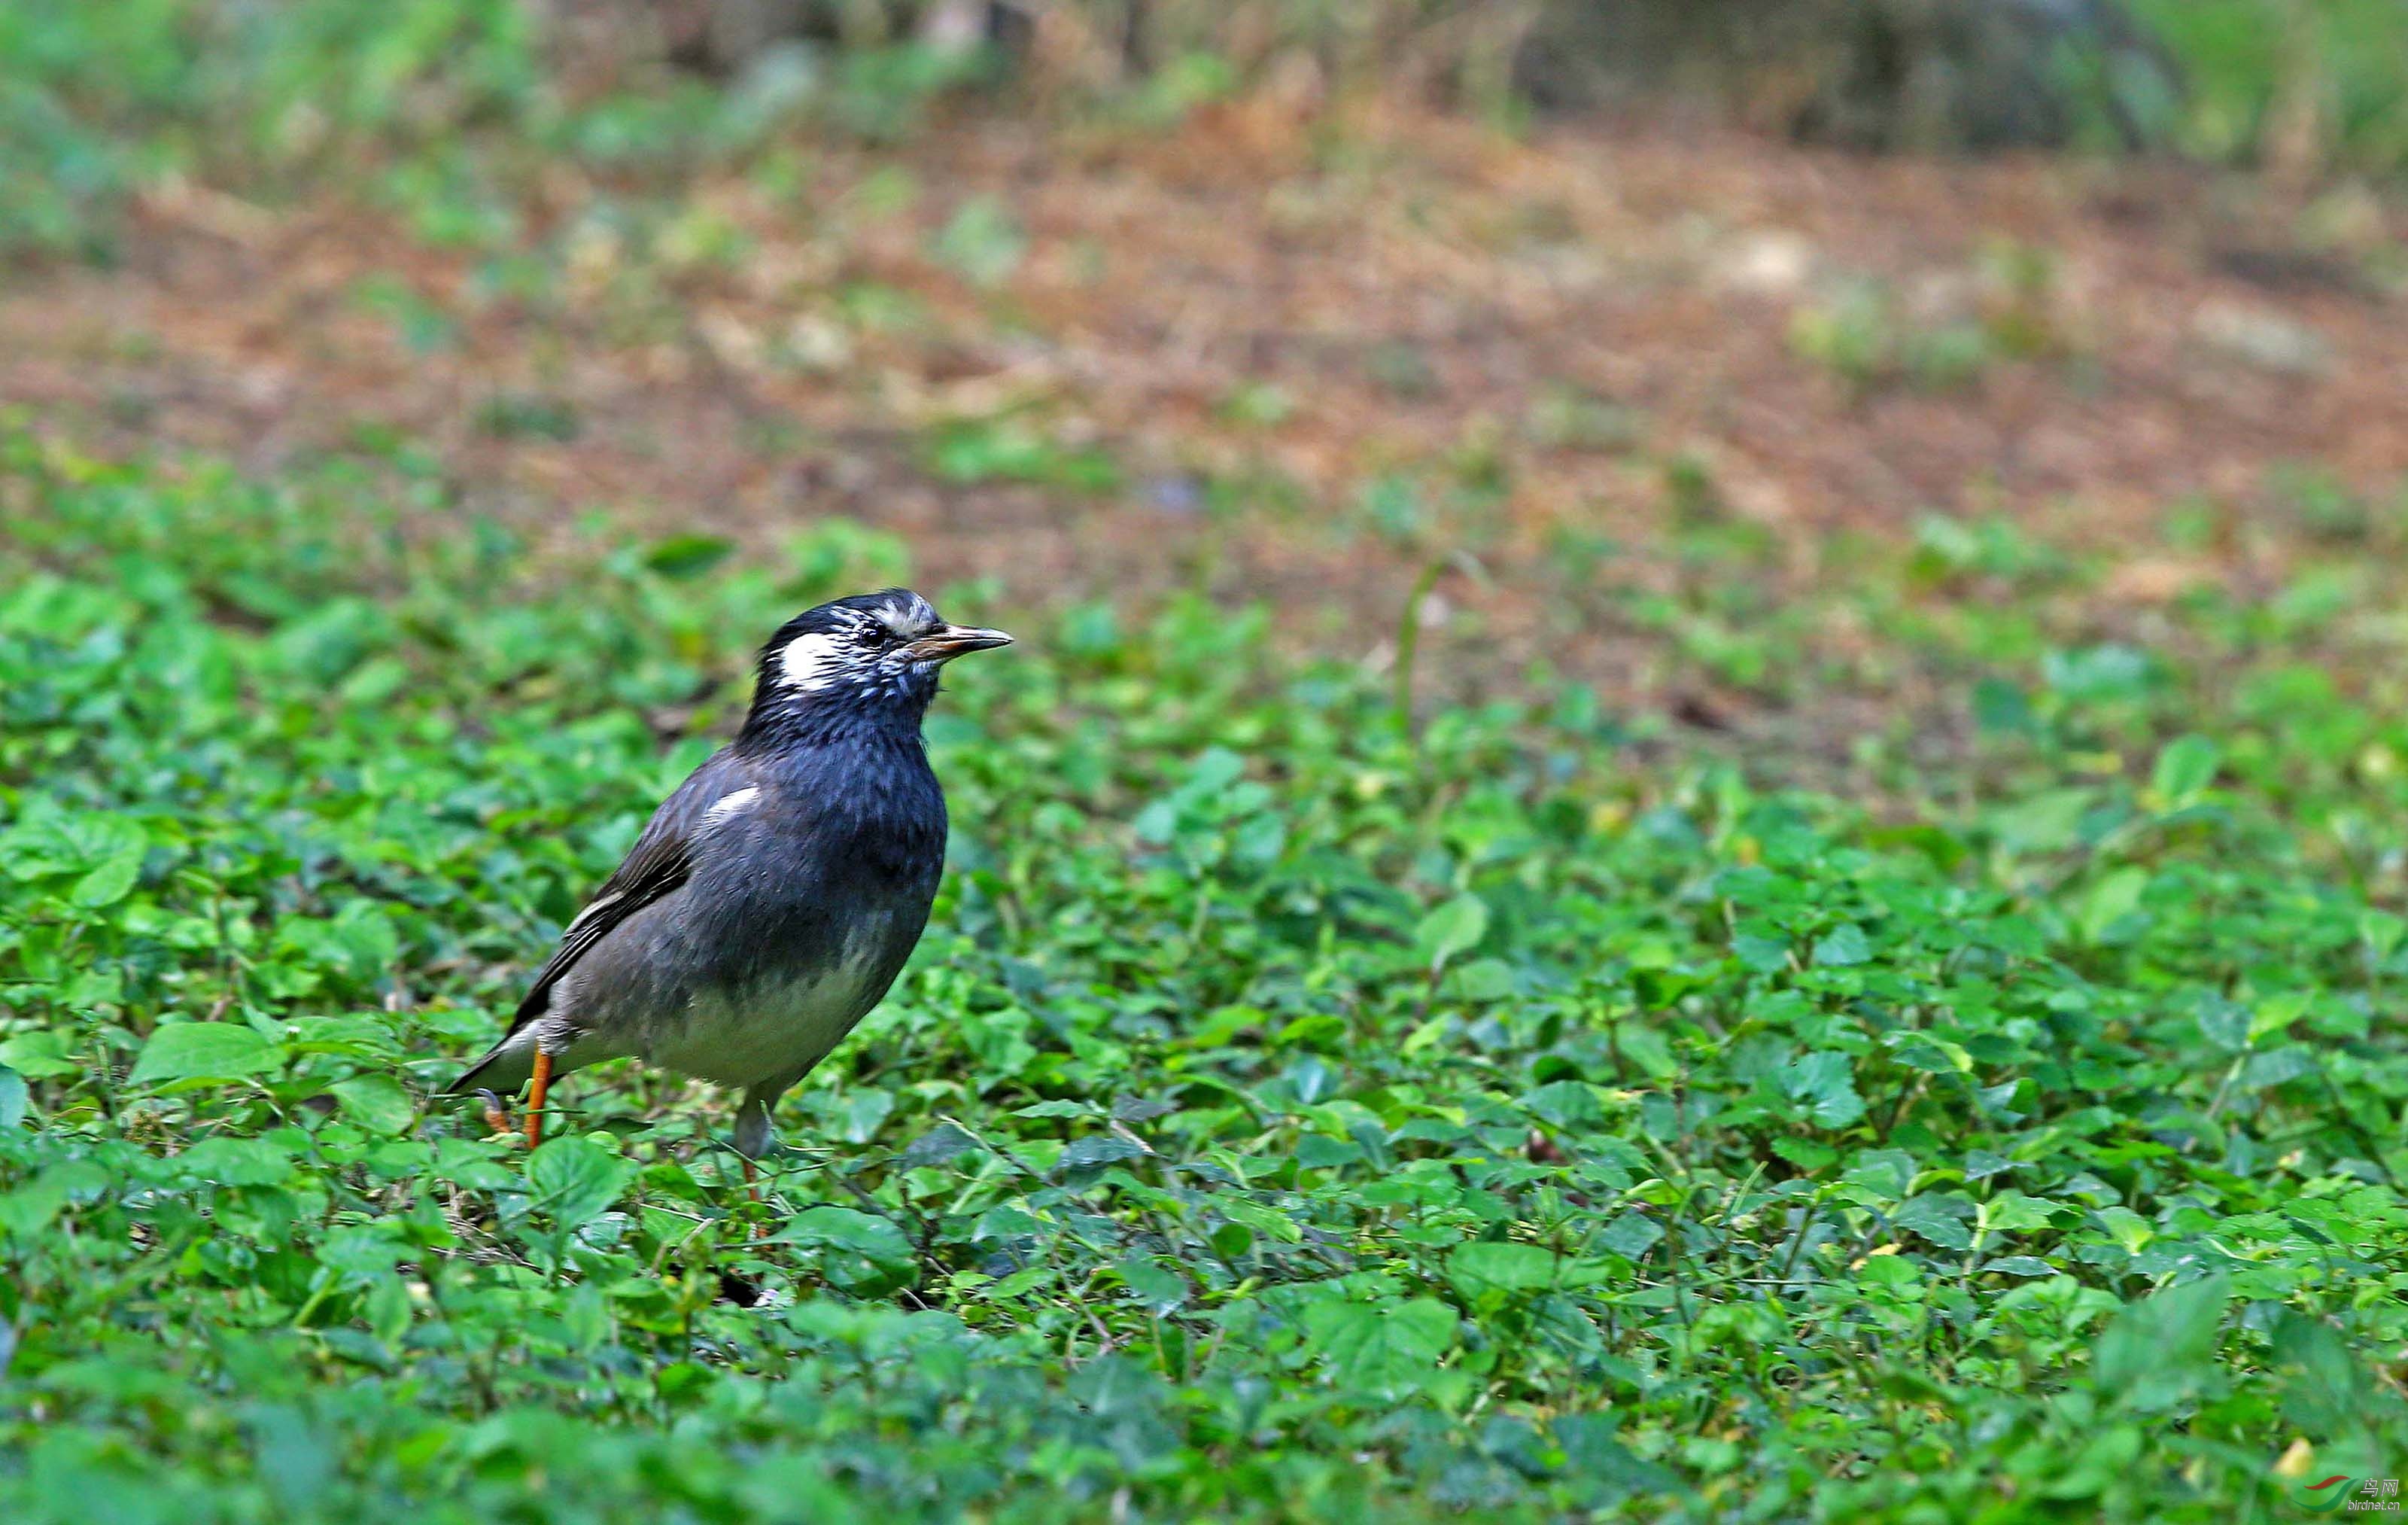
(871, 658)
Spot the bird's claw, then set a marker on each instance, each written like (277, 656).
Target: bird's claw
(498, 1117)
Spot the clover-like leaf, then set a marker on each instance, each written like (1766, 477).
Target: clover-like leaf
(1824, 1086)
(376, 1102)
(204, 1051)
(1503, 1267)
(576, 1180)
(1386, 1347)
(1454, 927)
(2185, 768)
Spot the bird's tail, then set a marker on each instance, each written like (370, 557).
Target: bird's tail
(503, 1070)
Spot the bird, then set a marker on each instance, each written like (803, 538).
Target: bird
(772, 899)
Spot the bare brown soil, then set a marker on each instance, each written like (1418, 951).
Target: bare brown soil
(1423, 295)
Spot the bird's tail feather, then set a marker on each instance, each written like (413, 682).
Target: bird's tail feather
(503, 1070)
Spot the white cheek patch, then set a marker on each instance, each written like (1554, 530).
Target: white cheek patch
(728, 805)
(810, 662)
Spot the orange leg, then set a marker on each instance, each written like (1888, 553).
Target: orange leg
(536, 1088)
(752, 1189)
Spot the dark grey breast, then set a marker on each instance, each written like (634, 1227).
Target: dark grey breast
(765, 907)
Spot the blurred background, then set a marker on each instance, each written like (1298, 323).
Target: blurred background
(1607, 337)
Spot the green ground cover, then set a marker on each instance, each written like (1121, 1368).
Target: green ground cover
(1298, 1110)
(1293, 1114)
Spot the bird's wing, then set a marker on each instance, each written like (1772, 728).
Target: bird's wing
(660, 861)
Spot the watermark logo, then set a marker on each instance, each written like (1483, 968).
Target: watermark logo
(2339, 1495)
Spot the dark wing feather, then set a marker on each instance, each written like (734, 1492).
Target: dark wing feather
(660, 862)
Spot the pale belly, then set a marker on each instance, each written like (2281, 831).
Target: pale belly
(770, 1030)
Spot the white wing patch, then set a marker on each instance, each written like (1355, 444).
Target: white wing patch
(599, 904)
(730, 805)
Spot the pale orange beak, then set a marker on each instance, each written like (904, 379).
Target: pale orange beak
(954, 641)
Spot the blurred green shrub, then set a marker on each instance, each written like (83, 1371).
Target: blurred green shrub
(99, 101)
(2323, 81)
